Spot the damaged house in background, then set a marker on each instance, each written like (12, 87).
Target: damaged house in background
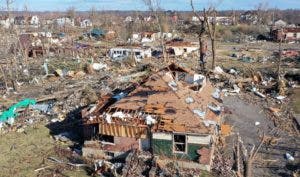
(287, 34)
(121, 53)
(172, 114)
(181, 48)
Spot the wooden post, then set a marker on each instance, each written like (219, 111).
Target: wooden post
(279, 58)
(4, 77)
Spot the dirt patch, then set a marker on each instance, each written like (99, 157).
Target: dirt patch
(249, 121)
(296, 101)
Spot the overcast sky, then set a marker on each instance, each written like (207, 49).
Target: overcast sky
(61, 5)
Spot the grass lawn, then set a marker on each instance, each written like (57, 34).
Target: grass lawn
(22, 153)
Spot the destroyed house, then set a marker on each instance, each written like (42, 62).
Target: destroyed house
(65, 21)
(31, 44)
(121, 53)
(172, 114)
(5, 21)
(33, 20)
(286, 34)
(179, 48)
(20, 20)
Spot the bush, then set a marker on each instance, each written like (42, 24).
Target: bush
(231, 33)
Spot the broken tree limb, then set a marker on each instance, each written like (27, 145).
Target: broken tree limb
(240, 80)
(78, 165)
(252, 156)
(52, 159)
(231, 78)
(42, 168)
(59, 95)
(55, 160)
(238, 159)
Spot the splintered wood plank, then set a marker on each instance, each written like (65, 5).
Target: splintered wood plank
(113, 128)
(130, 132)
(118, 130)
(125, 131)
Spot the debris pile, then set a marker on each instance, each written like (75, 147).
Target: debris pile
(137, 164)
(263, 87)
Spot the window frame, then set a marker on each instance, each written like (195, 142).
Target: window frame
(174, 144)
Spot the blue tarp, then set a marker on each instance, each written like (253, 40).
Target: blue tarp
(61, 35)
(97, 32)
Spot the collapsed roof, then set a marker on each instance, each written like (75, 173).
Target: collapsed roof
(173, 99)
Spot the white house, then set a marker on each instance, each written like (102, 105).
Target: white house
(128, 19)
(164, 35)
(65, 21)
(6, 22)
(45, 34)
(181, 48)
(280, 23)
(33, 20)
(148, 19)
(223, 20)
(148, 37)
(195, 19)
(122, 53)
(86, 23)
(48, 22)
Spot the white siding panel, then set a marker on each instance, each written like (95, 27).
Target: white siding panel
(199, 139)
(162, 136)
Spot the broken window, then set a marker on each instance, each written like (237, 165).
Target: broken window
(171, 51)
(295, 35)
(195, 87)
(107, 138)
(111, 154)
(179, 143)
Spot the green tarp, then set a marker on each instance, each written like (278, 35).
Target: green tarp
(11, 112)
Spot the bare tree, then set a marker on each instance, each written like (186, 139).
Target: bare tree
(26, 15)
(262, 13)
(154, 7)
(201, 33)
(211, 23)
(211, 26)
(8, 8)
(93, 15)
(233, 16)
(129, 28)
(279, 56)
(71, 12)
(280, 81)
